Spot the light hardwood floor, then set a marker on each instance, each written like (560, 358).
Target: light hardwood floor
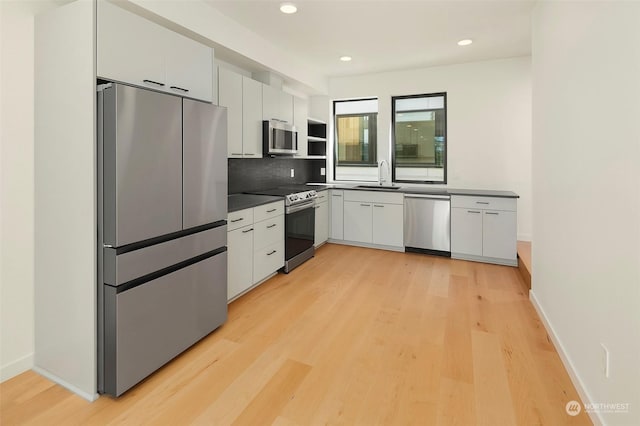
(354, 337)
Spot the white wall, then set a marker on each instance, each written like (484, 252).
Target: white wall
(16, 185)
(586, 189)
(488, 121)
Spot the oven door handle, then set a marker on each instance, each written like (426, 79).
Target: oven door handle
(302, 206)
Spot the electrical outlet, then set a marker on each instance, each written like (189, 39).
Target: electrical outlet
(605, 360)
(293, 172)
(323, 171)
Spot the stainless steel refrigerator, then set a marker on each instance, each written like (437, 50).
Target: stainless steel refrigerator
(162, 234)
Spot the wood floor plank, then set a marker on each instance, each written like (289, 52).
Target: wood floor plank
(354, 336)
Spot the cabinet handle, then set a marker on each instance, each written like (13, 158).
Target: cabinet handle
(481, 202)
(236, 153)
(180, 89)
(248, 153)
(271, 211)
(247, 230)
(271, 226)
(269, 254)
(472, 211)
(365, 205)
(237, 220)
(377, 205)
(337, 195)
(495, 213)
(154, 82)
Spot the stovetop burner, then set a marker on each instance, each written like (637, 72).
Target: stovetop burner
(294, 194)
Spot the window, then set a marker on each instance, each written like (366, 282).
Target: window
(420, 138)
(355, 148)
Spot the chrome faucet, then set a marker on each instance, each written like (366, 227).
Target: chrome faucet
(380, 163)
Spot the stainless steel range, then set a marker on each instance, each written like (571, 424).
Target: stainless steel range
(300, 223)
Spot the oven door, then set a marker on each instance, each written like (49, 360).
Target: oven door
(299, 228)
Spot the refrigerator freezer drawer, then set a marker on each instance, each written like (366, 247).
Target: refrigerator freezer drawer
(148, 325)
(122, 268)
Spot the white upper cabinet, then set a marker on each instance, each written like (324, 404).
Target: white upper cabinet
(276, 104)
(270, 103)
(251, 118)
(230, 96)
(189, 66)
(131, 49)
(300, 114)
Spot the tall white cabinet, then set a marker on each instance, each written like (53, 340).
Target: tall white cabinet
(72, 49)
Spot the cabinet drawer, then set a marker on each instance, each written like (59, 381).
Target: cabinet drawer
(322, 197)
(268, 211)
(493, 203)
(268, 232)
(155, 321)
(240, 218)
(374, 197)
(268, 260)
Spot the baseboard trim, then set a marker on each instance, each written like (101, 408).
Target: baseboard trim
(573, 374)
(16, 367)
(367, 245)
(55, 379)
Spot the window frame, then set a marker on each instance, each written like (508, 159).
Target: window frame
(393, 138)
(335, 135)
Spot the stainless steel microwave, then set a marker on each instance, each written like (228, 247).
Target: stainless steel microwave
(279, 138)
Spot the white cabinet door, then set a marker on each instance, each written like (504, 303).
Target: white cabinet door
(466, 231)
(499, 229)
(336, 200)
(388, 228)
(230, 96)
(251, 118)
(322, 223)
(239, 260)
(130, 49)
(189, 67)
(300, 113)
(270, 103)
(357, 221)
(268, 260)
(286, 107)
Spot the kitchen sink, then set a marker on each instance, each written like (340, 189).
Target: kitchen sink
(379, 187)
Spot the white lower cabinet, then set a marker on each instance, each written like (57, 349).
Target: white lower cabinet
(388, 224)
(255, 245)
(322, 219)
(239, 264)
(358, 222)
(374, 218)
(484, 229)
(336, 201)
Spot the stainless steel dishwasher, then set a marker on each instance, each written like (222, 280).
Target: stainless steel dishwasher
(427, 224)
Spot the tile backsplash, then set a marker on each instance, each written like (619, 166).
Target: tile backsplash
(250, 174)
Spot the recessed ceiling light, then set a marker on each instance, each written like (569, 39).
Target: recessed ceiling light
(465, 42)
(345, 58)
(288, 8)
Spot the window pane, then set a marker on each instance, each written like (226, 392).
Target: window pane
(356, 139)
(419, 138)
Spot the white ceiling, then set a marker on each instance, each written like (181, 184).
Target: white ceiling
(387, 35)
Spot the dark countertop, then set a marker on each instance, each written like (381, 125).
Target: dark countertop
(247, 201)
(425, 190)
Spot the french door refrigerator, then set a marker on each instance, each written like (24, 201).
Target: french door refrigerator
(162, 234)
